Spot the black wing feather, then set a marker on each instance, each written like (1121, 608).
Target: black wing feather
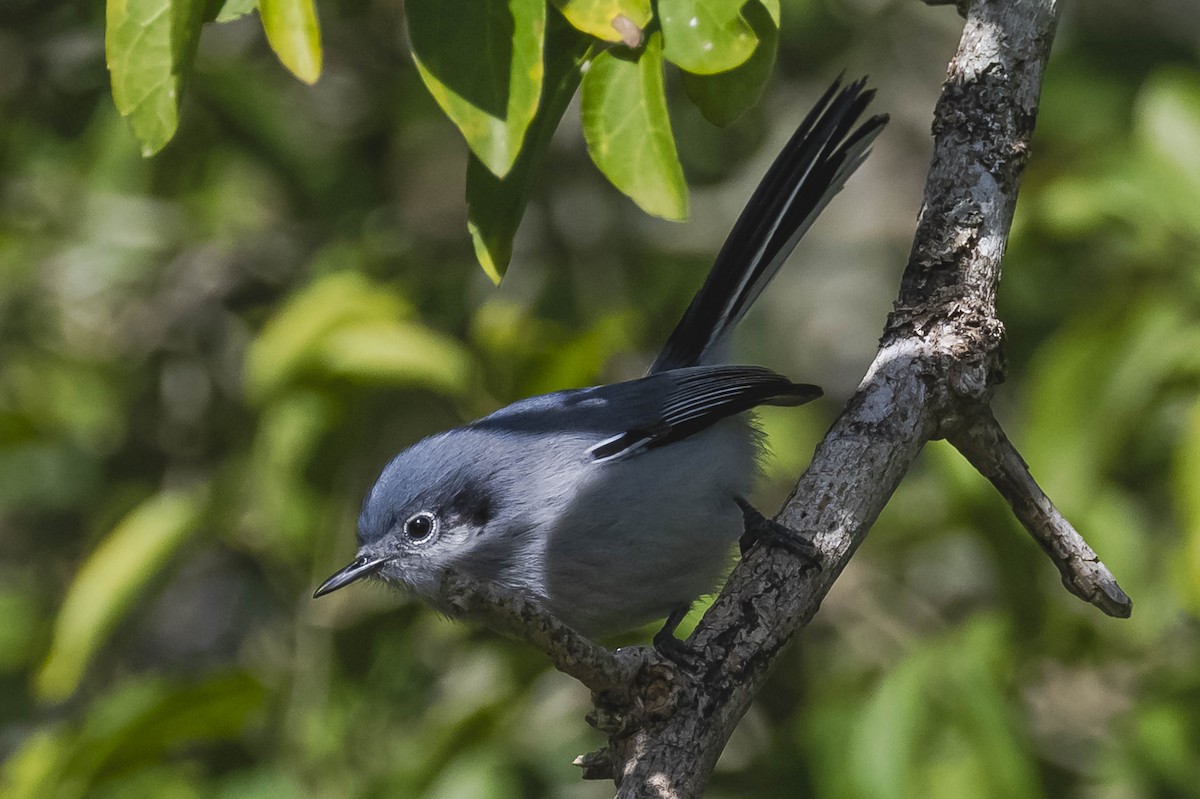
(698, 398)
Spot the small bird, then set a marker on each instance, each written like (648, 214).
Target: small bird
(616, 505)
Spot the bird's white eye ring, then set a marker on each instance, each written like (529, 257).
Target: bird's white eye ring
(420, 525)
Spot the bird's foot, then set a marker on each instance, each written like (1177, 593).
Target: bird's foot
(666, 644)
(768, 532)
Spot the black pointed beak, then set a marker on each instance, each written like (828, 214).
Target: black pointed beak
(360, 567)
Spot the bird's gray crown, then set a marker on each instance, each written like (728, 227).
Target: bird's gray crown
(437, 474)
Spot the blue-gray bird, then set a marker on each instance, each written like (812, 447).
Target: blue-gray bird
(616, 505)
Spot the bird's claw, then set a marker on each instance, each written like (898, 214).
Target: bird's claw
(761, 530)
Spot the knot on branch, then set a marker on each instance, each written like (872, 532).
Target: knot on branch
(650, 695)
(650, 699)
(973, 357)
(632, 688)
(958, 355)
(968, 363)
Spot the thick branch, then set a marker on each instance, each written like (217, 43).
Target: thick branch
(770, 595)
(984, 444)
(982, 125)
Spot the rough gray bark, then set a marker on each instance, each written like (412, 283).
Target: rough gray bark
(938, 361)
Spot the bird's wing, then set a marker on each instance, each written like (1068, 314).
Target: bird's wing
(696, 398)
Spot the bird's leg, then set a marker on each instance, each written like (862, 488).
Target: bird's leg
(761, 530)
(670, 647)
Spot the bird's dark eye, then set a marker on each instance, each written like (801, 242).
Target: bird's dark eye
(420, 525)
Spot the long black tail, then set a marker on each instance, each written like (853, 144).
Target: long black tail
(813, 167)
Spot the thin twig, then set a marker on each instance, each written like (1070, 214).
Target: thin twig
(596, 765)
(514, 614)
(982, 441)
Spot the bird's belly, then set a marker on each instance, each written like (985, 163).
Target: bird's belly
(650, 534)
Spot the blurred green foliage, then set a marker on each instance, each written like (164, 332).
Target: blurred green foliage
(205, 358)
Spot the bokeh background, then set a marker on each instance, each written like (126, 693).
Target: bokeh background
(206, 357)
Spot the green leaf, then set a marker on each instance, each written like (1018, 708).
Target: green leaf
(235, 9)
(725, 96)
(495, 205)
(288, 341)
(394, 352)
(1167, 139)
(595, 17)
(705, 36)
(628, 131)
(109, 582)
(32, 770)
(282, 509)
(143, 719)
(344, 326)
(482, 62)
(149, 46)
(892, 722)
(292, 32)
(1167, 121)
(577, 360)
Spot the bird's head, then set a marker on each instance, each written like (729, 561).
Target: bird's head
(428, 509)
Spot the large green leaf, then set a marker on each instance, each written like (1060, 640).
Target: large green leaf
(628, 131)
(395, 352)
(344, 326)
(110, 580)
(282, 509)
(292, 31)
(600, 18)
(288, 342)
(725, 96)
(495, 205)
(149, 46)
(705, 36)
(482, 62)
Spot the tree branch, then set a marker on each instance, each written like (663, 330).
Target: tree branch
(520, 616)
(937, 364)
(984, 444)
